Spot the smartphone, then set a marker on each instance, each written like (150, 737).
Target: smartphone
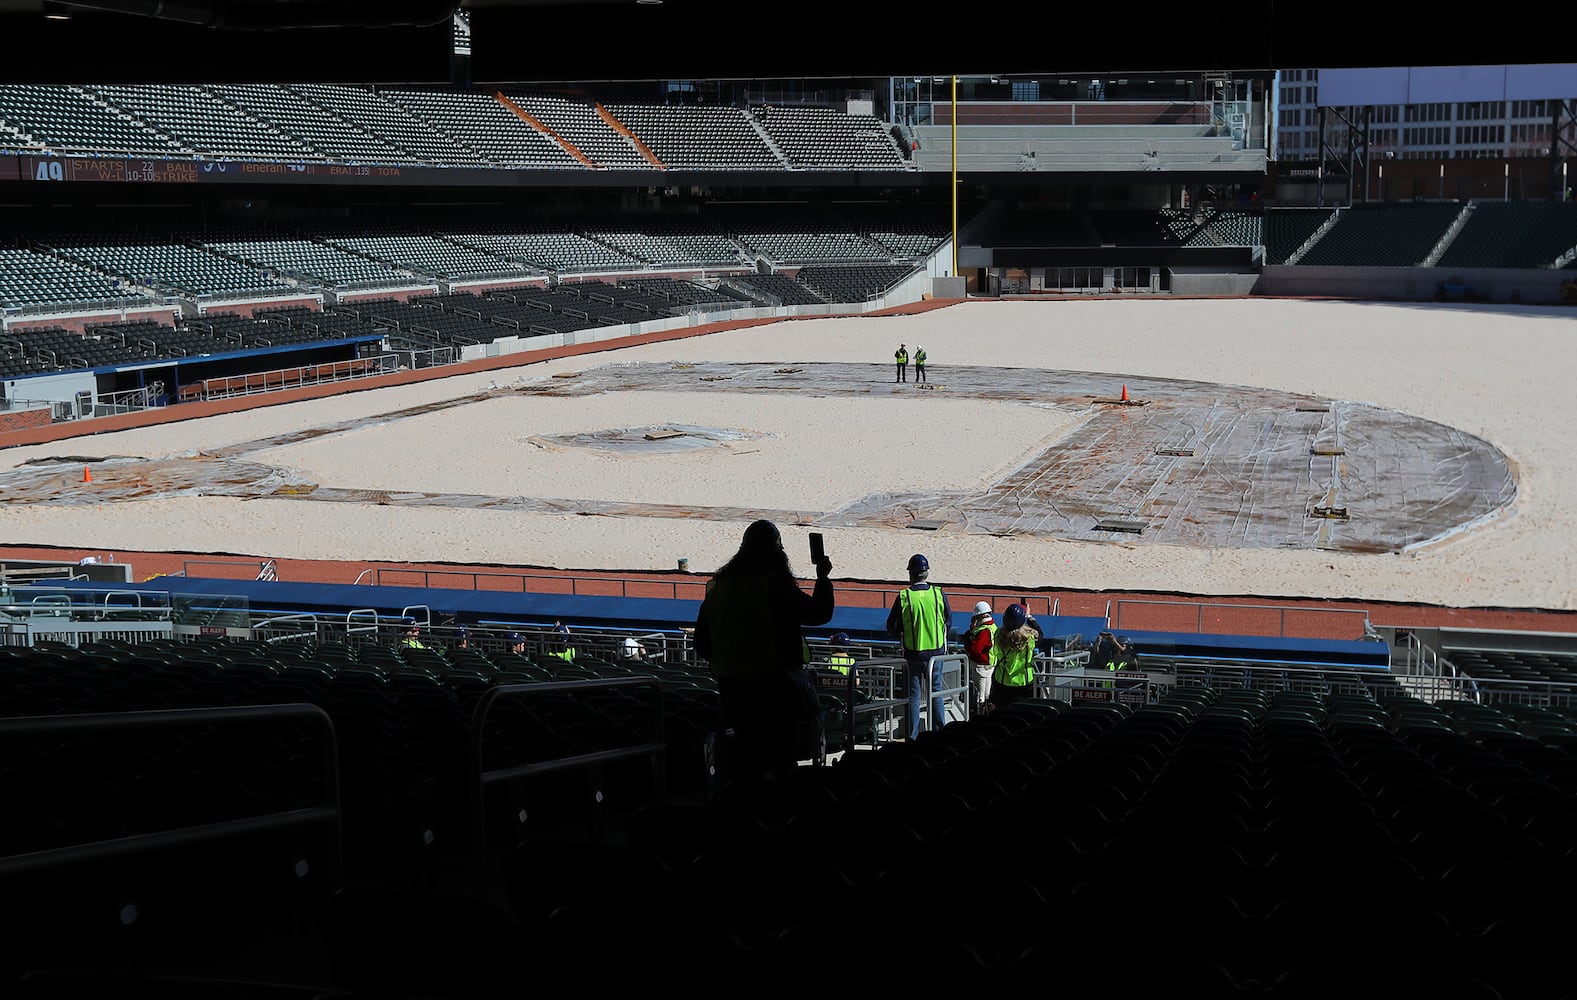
(818, 550)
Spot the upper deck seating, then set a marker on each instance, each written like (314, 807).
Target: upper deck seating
(1389, 236)
(698, 138)
(1513, 234)
(369, 111)
(204, 123)
(483, 124)
(823, 138)
(68, 120)
(578, 123)
(326, 132)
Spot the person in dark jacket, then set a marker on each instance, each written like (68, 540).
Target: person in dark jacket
(749, 632)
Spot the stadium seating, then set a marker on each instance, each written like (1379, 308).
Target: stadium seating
(368, 111)
(70, 120)
(698, 138)
(1247, 819)
(1513, 234)
(1370, 236)
(851, 283)
(580, 125)
(1287, 230)
(311, 262)
(822, 138)
(203, 123)
(682, 293)
(773, 289)
(482, 123)
(544, 248)
(426, 255)
(327, 134)
(168, 267)
(30, 280)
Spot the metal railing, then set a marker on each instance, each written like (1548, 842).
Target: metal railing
(326, 814)
(224, 387)
(537, 583)
(485, 776)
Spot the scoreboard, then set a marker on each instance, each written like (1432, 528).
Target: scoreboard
(148, 170)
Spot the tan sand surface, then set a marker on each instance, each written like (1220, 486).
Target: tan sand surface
(1499, 373)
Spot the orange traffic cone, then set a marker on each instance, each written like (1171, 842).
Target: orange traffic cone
(1125, 392)
(87, 474)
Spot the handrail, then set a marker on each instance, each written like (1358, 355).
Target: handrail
(592, 586)
(482, 777)
(351, 617)
(330, 811)
(277, 619)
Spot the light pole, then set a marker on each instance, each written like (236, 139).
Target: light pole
(1506, 196)
(1442, 193)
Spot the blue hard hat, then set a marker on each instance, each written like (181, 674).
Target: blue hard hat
(515, 638)
(1013, 617)
(918, 565)
(839, 638)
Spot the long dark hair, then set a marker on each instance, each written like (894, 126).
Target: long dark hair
(760, 551)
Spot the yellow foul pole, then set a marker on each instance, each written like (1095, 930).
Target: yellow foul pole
(955, 175)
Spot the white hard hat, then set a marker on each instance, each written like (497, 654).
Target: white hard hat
(982, 608)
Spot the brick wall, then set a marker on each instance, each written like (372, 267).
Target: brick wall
(20, 420)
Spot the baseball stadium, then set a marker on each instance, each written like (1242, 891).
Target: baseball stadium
(369, 446)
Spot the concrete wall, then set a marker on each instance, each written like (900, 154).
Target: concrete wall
(1214, 284)
(1539, 286)
(1032, 148)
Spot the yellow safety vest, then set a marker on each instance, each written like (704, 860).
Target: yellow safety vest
(923, 627)
(1015, 667)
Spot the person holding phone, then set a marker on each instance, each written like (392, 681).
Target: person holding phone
(749, 632)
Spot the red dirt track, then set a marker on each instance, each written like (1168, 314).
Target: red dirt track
(1133, 611)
